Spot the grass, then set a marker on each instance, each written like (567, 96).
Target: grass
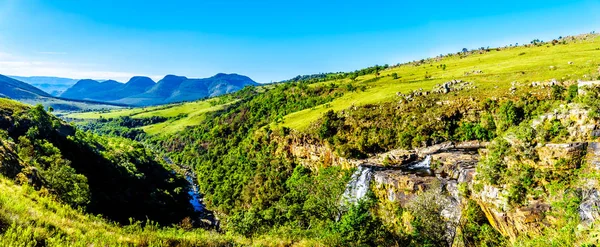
(192, 113)
(195, 113)
(500, 68)
(65, 106)
(29, 218)
(12, 105)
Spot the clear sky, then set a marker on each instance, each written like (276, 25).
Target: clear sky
(266, 40)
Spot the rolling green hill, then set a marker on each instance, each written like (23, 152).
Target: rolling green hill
(499, 68)
(180, 115)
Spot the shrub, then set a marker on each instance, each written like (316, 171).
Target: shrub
(557, 92)
(572, 92)
(509, 115)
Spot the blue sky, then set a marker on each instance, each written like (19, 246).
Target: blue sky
(266, 40)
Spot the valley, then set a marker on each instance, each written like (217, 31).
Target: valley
(483, 147)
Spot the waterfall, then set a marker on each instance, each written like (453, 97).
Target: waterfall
(423, 164)
(358, 187)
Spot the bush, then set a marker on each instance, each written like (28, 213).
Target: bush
(572, 92)
(492, 168)
(358, 227)
(429, 225)
(557, 92)
(509, 115)
(471, 131)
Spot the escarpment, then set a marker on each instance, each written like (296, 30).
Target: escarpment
(520, 180)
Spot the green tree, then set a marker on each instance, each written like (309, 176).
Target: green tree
(429, 223)
(509, 115)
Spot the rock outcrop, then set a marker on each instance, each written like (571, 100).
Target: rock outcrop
(399, 176)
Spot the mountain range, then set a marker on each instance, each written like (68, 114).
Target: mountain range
(16, 89)
(143, 91)
(52, 85)
(138, 91)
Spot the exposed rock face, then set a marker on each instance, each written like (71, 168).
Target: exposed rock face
(523, 220)
(451, 166)
(593, 158)
(444, 88)
(312, 154)
(575, 118)
(400, 186)
(550, 154)
(583, 84)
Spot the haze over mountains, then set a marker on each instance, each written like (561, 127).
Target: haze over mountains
(16, 89)
(52, 85)
(142, 91)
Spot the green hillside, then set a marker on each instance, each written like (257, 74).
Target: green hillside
(510, 136)
(30, 218)
(499, 68)
(179, 116)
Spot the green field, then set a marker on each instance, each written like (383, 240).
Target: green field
(500, 68)
(191, 114)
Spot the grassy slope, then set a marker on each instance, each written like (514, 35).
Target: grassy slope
(37, 217)
(65, 106)
(28, 216)
(194, 113)
(500, 68)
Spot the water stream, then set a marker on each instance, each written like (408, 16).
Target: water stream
(196, 198)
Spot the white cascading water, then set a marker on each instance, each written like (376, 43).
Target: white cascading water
(358, 187)
(424, 164)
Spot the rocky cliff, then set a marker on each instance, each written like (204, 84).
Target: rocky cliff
(398, 176)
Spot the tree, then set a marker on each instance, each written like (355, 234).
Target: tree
(465, 50)
(353, 76)
(395, 76)
(509, 115)
(427, 209)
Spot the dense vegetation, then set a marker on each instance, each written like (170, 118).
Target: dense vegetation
(240, 149)
(115, 177)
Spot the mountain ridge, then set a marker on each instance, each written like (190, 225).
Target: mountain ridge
(52, 85)
(143, 91)
(16, 89)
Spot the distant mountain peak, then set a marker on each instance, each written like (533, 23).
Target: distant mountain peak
(110, 81)
(173, 78)
(141, 90)
(87, 82)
